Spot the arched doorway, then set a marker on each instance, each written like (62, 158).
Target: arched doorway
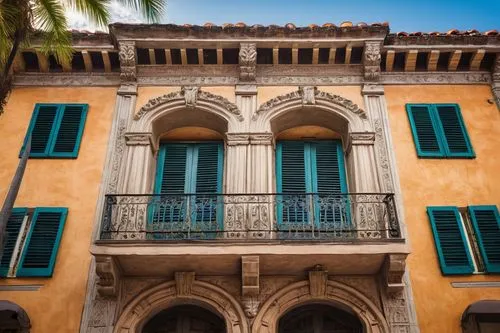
(13, 318)
(185, 319)
(319, 318)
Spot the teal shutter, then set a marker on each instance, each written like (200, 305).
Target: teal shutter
(56, 130)
(41, 128)
(13, 228)
(424, 132)
(449, 237)
(333, 209)
(69, 131)
(486, 223)
(291, 182)
(42, 243)
(208, 161)
(457, 142)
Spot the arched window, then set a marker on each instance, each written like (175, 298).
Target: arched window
(185, 319)
(319, 318)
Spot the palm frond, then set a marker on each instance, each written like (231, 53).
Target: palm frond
(152, 10)
(49, 16)
(9, 15)
(96, 11)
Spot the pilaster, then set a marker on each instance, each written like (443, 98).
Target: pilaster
(495, 82)
(139, 163)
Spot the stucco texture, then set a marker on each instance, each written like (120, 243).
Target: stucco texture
(73, 183)
(453, 182)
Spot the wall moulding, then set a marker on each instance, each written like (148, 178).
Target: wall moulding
(65, 80)
(436, 78)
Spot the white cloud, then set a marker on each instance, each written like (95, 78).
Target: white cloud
(119, 13)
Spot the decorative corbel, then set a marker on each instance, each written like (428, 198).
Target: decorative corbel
(249, 276)
(248, 61)
(394, 269)
(184, 283)
(190, 95)
(318, 278)
(109, 273)
(371, 61)
(127, 61)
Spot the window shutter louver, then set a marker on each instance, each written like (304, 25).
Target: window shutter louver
(70, 130)
(41, 130)
(291, 171)
(208, 181)
(424, 131)
(455, 135)
(42, 243)
(13, 228)
(486, 223)
(449, 236)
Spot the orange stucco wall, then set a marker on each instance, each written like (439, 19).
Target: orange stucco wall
(57, 306)
(453, 182)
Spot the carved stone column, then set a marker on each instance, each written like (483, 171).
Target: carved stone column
(495, 82)
(139, 164)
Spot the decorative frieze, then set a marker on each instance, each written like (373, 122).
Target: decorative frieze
(248, 61)
(436, 78)
(127, 60)
(108, 271)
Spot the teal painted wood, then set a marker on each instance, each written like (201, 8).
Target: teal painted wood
(424, 131)
(42, 242)
(486, 223)
(67, 136)
(13, 228)
(450, 241)
(452, 130)
(56, 130)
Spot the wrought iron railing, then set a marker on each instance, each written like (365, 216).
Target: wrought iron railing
(286, 216)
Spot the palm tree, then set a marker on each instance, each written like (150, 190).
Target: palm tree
(20, 19)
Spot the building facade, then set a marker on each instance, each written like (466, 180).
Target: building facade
(256, 179)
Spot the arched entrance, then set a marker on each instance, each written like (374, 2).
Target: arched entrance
(185, 319)
(319, 318)
(13, 318)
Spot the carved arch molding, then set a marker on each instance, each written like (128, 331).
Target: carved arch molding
(186, 290)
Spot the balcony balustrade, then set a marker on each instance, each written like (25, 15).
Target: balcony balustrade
(250, 217)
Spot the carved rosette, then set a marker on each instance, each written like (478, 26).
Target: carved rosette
(127, 61)
(248, 61)
(371, 61)
(108, 271)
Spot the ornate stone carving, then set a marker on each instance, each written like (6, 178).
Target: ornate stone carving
(496, 69)
(248, 61)
(318, 96)
(261, 138)
(251, 307)
(394, 269)
(362, 138)
(190, 95)
(102, 314)
(117, 157)
(318, 278)
(250, 276)
(184, 283)
(235, 139)
(371, 61)
(382, 156)
(307, 93)
(127, 61)
(138, 139)
(108, 271)
(194, 96)
(396, 310)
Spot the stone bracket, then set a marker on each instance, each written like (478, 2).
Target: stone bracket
(248, 61)
(394, 269)
(371, 61)
(109, 273)
(127, 61)
(250, 276)
(318, 278)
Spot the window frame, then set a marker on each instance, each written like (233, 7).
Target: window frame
(488, 267)
(56, 126)
(437, 125)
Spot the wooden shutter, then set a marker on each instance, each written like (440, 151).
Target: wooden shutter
(171, 171)
(13, 228)
(456, 140)
(69, 131)
(208, 161)
(449, 236)
(41, 129)
(42, 243)
(291, 181)
(424, 131)
(486, 223)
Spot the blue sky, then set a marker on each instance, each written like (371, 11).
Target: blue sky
(423, 15)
